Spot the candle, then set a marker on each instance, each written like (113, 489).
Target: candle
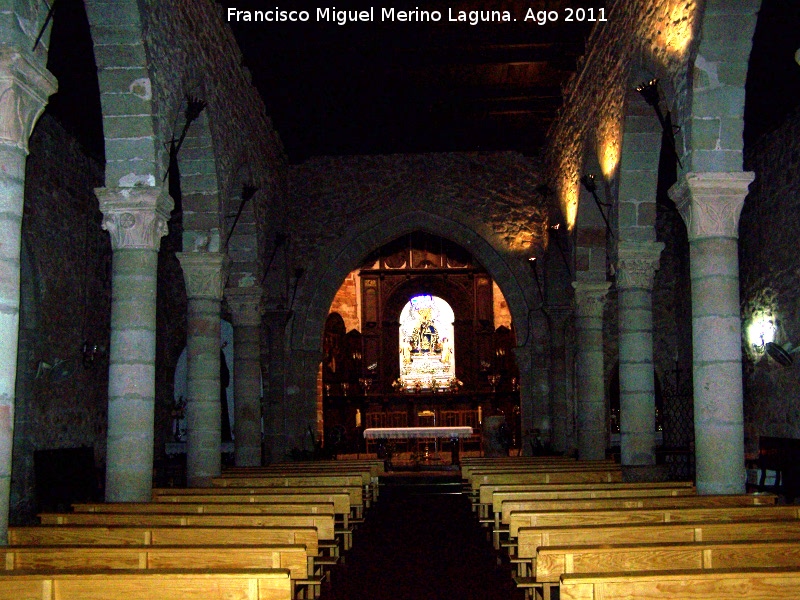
(358, 417)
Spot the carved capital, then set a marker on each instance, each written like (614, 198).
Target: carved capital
(25, 86)
(711, 203)
(245, 305)
(136, 217)
(205, 274)
(590, 298)
(637, 263)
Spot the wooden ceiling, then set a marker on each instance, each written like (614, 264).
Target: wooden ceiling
(380, 88)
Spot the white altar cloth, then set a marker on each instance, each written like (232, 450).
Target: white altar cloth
(409, 433)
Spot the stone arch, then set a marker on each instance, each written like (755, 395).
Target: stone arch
(314, 298)
(126, 93)
(714, 138)
(197, 163)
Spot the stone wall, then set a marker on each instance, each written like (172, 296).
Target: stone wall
(66, 301)
(769, 279)
(642, 38)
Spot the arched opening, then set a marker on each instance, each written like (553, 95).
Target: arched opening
(420, 334)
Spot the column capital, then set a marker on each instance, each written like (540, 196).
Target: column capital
(711, 203)
(25, 86)
(135, 217)
(205, 274)
(637, 263)
(590, 297)
(245, 305)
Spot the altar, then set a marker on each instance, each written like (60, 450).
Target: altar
(454, 434)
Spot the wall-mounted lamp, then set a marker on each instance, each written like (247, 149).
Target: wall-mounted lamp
(590, 185)
(248, 191)
(781, 354)
(650, 93)
(532, 262)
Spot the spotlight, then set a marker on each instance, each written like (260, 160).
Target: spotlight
(649, 92)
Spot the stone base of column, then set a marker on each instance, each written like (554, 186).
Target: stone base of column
(644, 473)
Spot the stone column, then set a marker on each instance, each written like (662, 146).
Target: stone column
(636, 266)
(559, 400)
(589, 302)
(274, 404)
(245, 307)
(136, 219)
(205, 274)
(24, 88)
(711, 203)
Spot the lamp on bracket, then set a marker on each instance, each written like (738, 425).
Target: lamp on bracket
(783, 355)
(590, 185)
(651, 94)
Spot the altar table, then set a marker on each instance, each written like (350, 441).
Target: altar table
(416, 433)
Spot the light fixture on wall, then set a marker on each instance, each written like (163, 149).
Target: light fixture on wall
(590, 185)
(650, 93)
(783, 355)
(248, 191)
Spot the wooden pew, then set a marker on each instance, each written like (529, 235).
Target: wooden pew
(554, 561)
(546, 476)
(220, 508)
(143, 535)
(521, 507)
(621, 516)
(532, 539)
(173, 584)
(355, 493)
(323, 523)
(778, 583)
(582, 504)
(369, 475)
(575, 492)
(488, 493)
(293, 558)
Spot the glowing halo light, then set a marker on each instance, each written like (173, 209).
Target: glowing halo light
(761, 330)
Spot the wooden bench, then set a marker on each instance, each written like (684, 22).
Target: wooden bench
(354, 493)
(519, 507)
(323, 523)
(611, 490)
(175, 584)
(550, 476)
(369, 476)
(293, 558)
(488, 493)
(142, 535)
(777, 583)
(554, 561)
(621, 516)
(531, 539)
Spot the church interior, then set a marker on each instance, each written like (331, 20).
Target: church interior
(233, 239)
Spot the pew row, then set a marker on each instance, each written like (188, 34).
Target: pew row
(776, 583)
(354, 493)
(293, 558)
(621, 516)
(245, 584)
(143, 535)
(488, 494)
(554, 561)
(524, 508)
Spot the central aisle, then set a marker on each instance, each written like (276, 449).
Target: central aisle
(421, 541)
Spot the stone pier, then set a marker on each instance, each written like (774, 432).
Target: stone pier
(711, 204)
(245, 307)
(205, 274)
(589, 302)
(25, 85)
(136, 219)
(637, 264)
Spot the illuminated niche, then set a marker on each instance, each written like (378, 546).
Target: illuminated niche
(427, 359)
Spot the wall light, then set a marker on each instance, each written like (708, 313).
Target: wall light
(650, 92)
(761, 331)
